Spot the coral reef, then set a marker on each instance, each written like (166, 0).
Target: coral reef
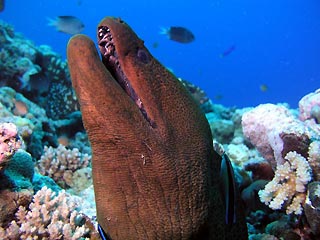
(273, 129)
(65, 166)
(34, 127)
(312, 207)
(283, 140)
(9, 142)
(36, 72)
(19, 171)
(49, 216)
(35, 98)
(221, 124)
(17, 57)
(289, 184)
(289, 143)
(197, 93)
(25, 129)
(61, 100)
(309, 107)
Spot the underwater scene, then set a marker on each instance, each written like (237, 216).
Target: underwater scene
(159, 120)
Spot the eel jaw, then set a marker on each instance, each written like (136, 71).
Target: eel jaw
(111, 62)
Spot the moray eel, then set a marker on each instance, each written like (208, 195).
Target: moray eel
(155, 173)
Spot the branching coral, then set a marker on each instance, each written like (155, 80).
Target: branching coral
(61, 164)
(286, 143)
(49, 216)
(289, 184)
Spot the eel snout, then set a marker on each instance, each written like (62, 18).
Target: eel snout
(111, 62)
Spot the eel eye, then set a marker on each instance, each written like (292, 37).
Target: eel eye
(143, 56)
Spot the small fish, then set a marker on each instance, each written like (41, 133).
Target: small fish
(178, 34)
(218, 97)
(263, 88)
(155, 45)
(1, 5)
(67, 24)
(228, 51)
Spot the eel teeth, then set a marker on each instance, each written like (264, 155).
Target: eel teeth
(105, 42)
(111, 62)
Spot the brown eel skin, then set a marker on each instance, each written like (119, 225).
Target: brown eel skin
(155, 173)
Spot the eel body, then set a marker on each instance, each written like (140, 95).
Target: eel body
(155, 173)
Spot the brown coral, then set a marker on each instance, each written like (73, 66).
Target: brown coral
(295, 142)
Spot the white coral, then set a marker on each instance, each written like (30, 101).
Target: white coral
(288, 186)
(314, 159)
(61, 164)
(49, 216)
(238, 153)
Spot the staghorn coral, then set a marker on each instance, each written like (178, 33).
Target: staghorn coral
(62, 164)
(49, 216)
(288, 187)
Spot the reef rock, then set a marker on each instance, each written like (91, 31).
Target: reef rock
(9, 142)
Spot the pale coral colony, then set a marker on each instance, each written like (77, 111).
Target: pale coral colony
(45, 157)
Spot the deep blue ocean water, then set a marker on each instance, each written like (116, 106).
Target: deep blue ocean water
(277, 43)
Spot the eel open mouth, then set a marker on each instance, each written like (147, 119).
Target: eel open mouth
(111, 62)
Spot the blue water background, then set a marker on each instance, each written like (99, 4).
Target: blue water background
(277, 42)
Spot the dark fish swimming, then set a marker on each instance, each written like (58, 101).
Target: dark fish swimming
(263, 88)
(228, 51)
(67, 24)
(178, 34)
